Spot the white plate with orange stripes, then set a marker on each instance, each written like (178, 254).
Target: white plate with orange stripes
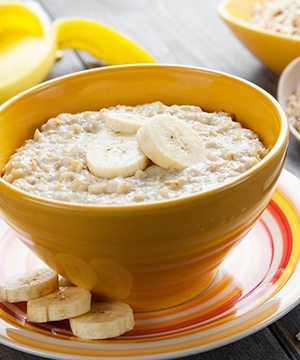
(256, 285)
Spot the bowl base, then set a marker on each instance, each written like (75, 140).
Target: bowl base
(160, 299)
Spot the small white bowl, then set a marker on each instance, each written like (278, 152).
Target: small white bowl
(289, 81)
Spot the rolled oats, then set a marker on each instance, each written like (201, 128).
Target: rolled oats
(53, 164)
(280, 16)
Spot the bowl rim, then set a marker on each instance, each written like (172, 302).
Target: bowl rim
(280, 144)
(281, 95)
(228, 17)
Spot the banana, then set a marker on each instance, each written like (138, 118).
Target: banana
(123, 121)
(46, 256)
(114, 280)
(115, 154)
(103, 321)
(99, 40)
(46, 302)
(30, 43)
(61, 304)
(29, 285)
(170, 142)
(16, 18)
(73, 267)
(27, 48)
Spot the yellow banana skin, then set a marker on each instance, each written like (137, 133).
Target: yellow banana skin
(25, 50)
(17, 18)
(28, 47)
(99, 40)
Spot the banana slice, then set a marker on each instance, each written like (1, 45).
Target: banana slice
(170, 142)
(115, 154)
(46, 256)
(122, 121)
(29, 285)
(77, 271)
(114, 280)
(64, 303)
(103, 321)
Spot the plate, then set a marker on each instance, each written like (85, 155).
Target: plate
(257, 284)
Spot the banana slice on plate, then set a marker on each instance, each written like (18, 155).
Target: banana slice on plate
(170, 142)
(115, 154)
(114, 280)
(61, 304)
(29, 285)
(122, 121)
(103, 321)
(77, 270)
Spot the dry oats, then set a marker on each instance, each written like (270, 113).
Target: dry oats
(280, 16)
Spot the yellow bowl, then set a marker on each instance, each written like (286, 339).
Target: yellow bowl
(273, 49)
(149, 255)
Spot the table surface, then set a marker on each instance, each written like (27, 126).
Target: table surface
(188, 32)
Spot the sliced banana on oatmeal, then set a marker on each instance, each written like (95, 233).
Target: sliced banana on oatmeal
(123, 121)
(61, 304)
(170, 143)
(103, 321)
(29, 285)
(115, 154)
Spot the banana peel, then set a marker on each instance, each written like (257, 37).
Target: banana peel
(29, 44)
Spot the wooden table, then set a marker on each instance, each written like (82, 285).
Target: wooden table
(187, 32)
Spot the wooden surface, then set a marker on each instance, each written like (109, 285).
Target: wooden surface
(187, 32)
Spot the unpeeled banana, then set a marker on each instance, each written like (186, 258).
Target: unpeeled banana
(29, 45)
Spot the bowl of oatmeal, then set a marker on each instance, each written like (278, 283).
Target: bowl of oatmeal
(270, 29)
(137, 181)
(288, 95)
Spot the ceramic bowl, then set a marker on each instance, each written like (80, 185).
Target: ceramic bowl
(289, 81)
(155, 255)
(275, 50)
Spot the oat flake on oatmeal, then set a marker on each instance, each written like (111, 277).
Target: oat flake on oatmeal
(281, 16)
(53, 164)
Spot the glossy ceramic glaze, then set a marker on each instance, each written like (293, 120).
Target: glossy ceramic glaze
(289, 81)
(273, 49)
(255, 286)
(153, 255)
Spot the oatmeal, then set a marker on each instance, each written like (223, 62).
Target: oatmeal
(293, 109)
(54, 163)
(281, 16)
